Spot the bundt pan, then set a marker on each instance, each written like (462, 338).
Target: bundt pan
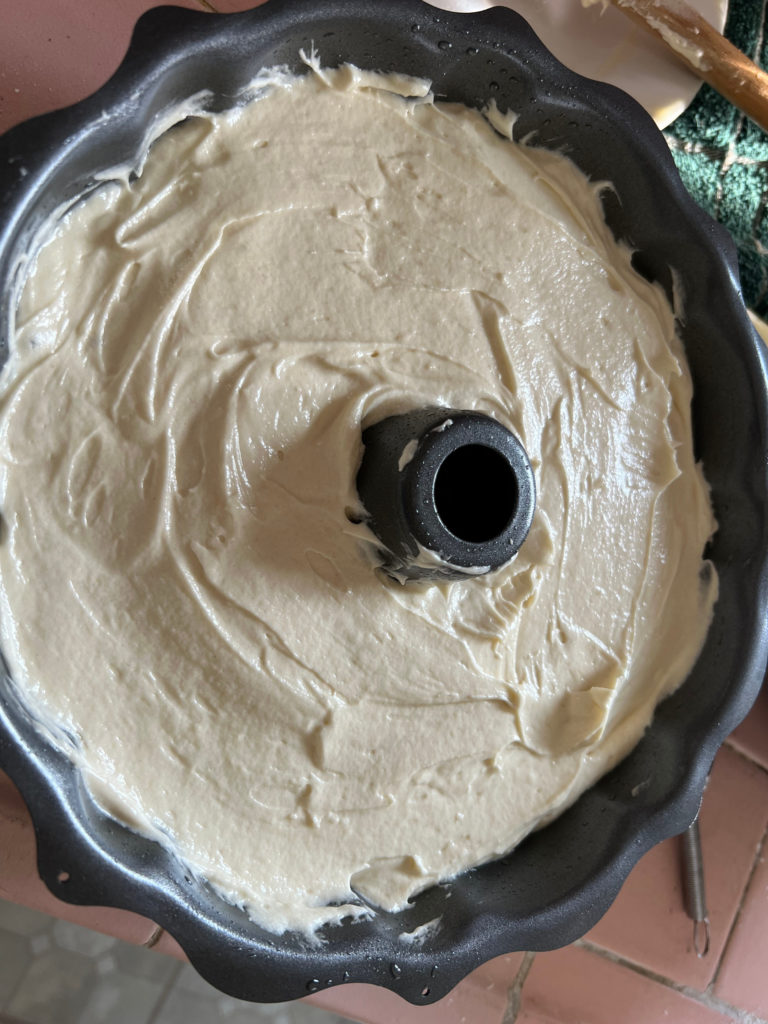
(559, 881)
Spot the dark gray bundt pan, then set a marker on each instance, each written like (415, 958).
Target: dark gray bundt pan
(554, 887)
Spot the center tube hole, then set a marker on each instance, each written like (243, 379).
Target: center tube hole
(475, 493)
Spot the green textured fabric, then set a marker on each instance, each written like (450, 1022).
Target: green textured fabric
(722, 157)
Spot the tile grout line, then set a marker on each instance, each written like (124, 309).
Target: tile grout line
(703, 998)
(759, 848)
(515, 990)
(727, 742)
(762, 847)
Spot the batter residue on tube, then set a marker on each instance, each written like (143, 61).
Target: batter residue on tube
(184, 587)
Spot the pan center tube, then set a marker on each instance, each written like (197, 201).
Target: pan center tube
(448, 493)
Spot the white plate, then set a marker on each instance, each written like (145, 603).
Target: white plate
(600, 42)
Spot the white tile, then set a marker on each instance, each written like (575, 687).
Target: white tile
(290, 1013)
(39, 944)
(14, 959)
(119, 999)
(106, 964)
(187, 1008)
(193, 1001)
(81, 940)
(234, 1011)
(303, 1013)
(190, 981)
(143, 963)
(22, 920)
(51, 990)
(277, 1013)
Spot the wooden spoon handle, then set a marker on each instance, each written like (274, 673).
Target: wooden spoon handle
(705, 52)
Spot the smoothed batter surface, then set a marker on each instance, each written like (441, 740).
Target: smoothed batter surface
(184, 588)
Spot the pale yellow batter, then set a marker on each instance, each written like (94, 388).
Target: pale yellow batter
(183, 589)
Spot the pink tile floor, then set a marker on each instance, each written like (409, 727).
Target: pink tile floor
(637, 966)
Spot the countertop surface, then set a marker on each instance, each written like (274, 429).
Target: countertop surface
(637, 966)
